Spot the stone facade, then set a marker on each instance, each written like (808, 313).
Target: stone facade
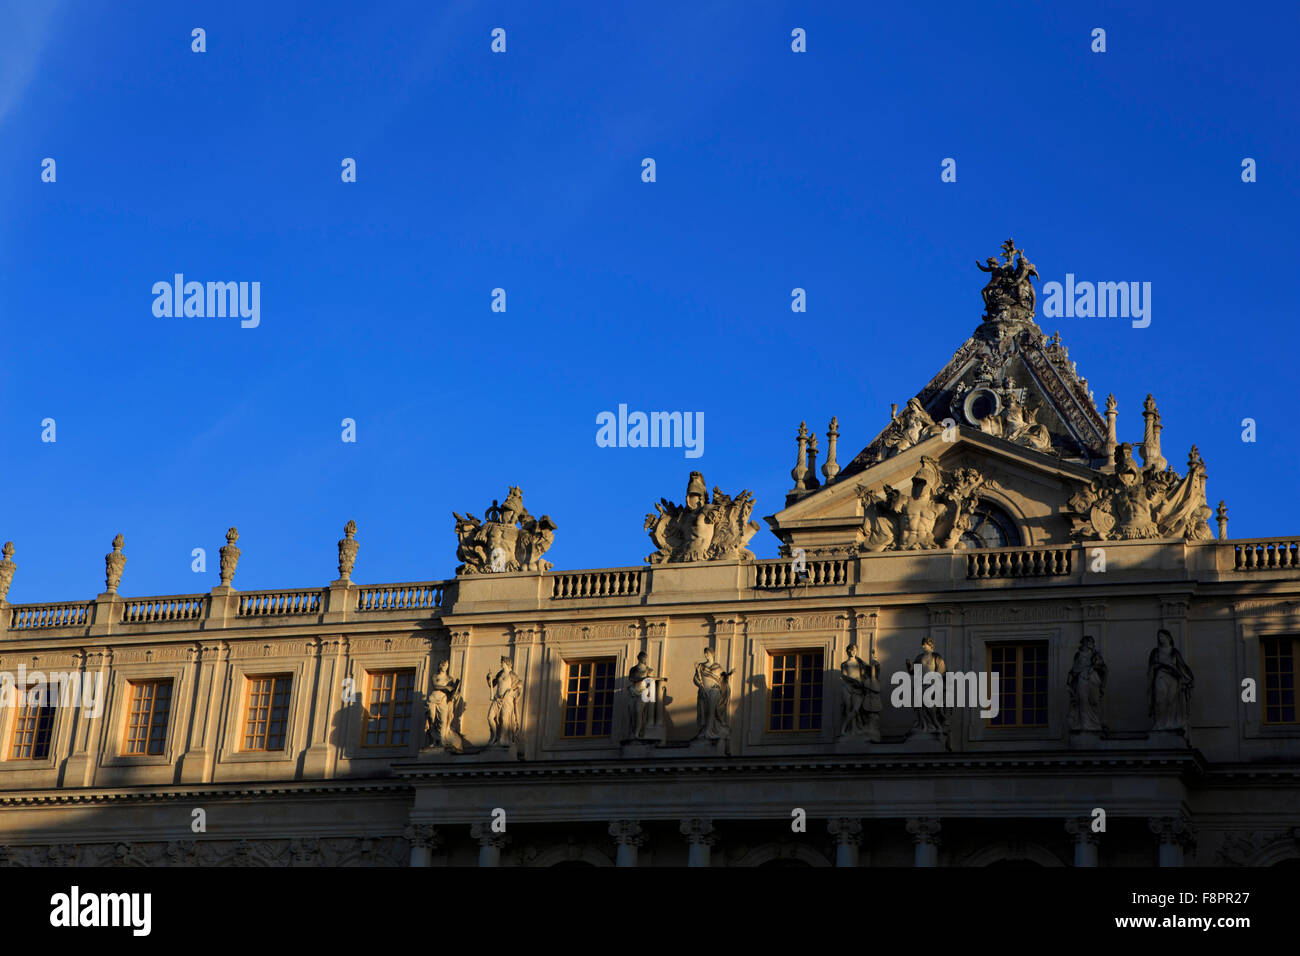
(967, 525)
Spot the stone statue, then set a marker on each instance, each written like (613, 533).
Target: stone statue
(114, 564)
(1009, 293)
(640, 697)
(913, 426)
(510, 539)
(1169, 686)
(1087, 686)
(503, 708)
(860, 696)
(934, 515)
(348, 551)
(929, 718)
(7, 569)
(1135, 502)
(229, 557)
(444, 706)
(702, 530)
(713, 698)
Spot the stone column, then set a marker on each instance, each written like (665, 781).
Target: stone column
(489, 843)
(847, 832)
(630, 837)
(701, 836)
(1085, 840)
(424, 839)
(925, 834)
(1175, 833)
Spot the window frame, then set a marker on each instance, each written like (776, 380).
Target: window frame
(589, 716)
(129, 711)
(817, 687)
(413, 730)
(1264, 640)
(1046, 649)
(250, 680)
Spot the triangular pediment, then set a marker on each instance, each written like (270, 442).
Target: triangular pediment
(1029, 487)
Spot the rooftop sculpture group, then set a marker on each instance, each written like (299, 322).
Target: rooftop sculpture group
(509, 540)
(702, 530)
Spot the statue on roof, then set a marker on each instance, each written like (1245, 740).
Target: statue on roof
(934, 515)
(1009, 293)
(700, 529)
(510, 539)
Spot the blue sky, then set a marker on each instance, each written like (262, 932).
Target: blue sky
(522, 170)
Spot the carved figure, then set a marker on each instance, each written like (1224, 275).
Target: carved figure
(700, 529)
(503, 708)
(7, 569)
(444, 706)
(860, 696)
(640, 697)
(114, 564)
(1142, 502)
(933, 516)
(510, 539)
(1169, 685)
(1087, 686)
(229, 557)
(912, 426)
(1009, 294)
(929, 718)
(712, 698)
(348, 551)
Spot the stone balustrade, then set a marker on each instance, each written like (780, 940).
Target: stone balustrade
(585, 584)
(401, 597)
(1019, 562)
(27, 617)
(181, 607)
(279, 603)
(782, 573)
(1266, 554)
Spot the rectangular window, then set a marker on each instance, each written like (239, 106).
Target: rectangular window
(392, 703)
(795, 702)
(1022, 684)
(267, 712)
(146, 727)
(589, 698)
(1279, 679)
(33, 726)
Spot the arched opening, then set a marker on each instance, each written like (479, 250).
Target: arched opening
(990, 527)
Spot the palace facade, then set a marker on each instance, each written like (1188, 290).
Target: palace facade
(999, 634)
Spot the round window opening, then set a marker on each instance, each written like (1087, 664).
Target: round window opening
(990, 527)
(980, 404)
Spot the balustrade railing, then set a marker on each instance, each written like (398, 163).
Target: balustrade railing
(401, 597)
(784, 573)
(596, 584)
(277, 603)
(1267, 555)
(983, 564)
(181, 607)
(26, 617)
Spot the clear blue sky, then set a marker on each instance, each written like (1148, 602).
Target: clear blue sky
(775, 170)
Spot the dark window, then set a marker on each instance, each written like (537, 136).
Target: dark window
(33, 725)
(1279, 679)
(1022, 684)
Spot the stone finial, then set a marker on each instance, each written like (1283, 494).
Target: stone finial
(800, 471)
(229, 557)
(812, 482)
(114, 564)
(1151, 457)
(7, 569)
(832, 467)
(1220, 515)
(348, 546)
(1112, 439)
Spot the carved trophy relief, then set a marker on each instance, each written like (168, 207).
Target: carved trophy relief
(934, 514)
(510, 539)
(700, 529)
